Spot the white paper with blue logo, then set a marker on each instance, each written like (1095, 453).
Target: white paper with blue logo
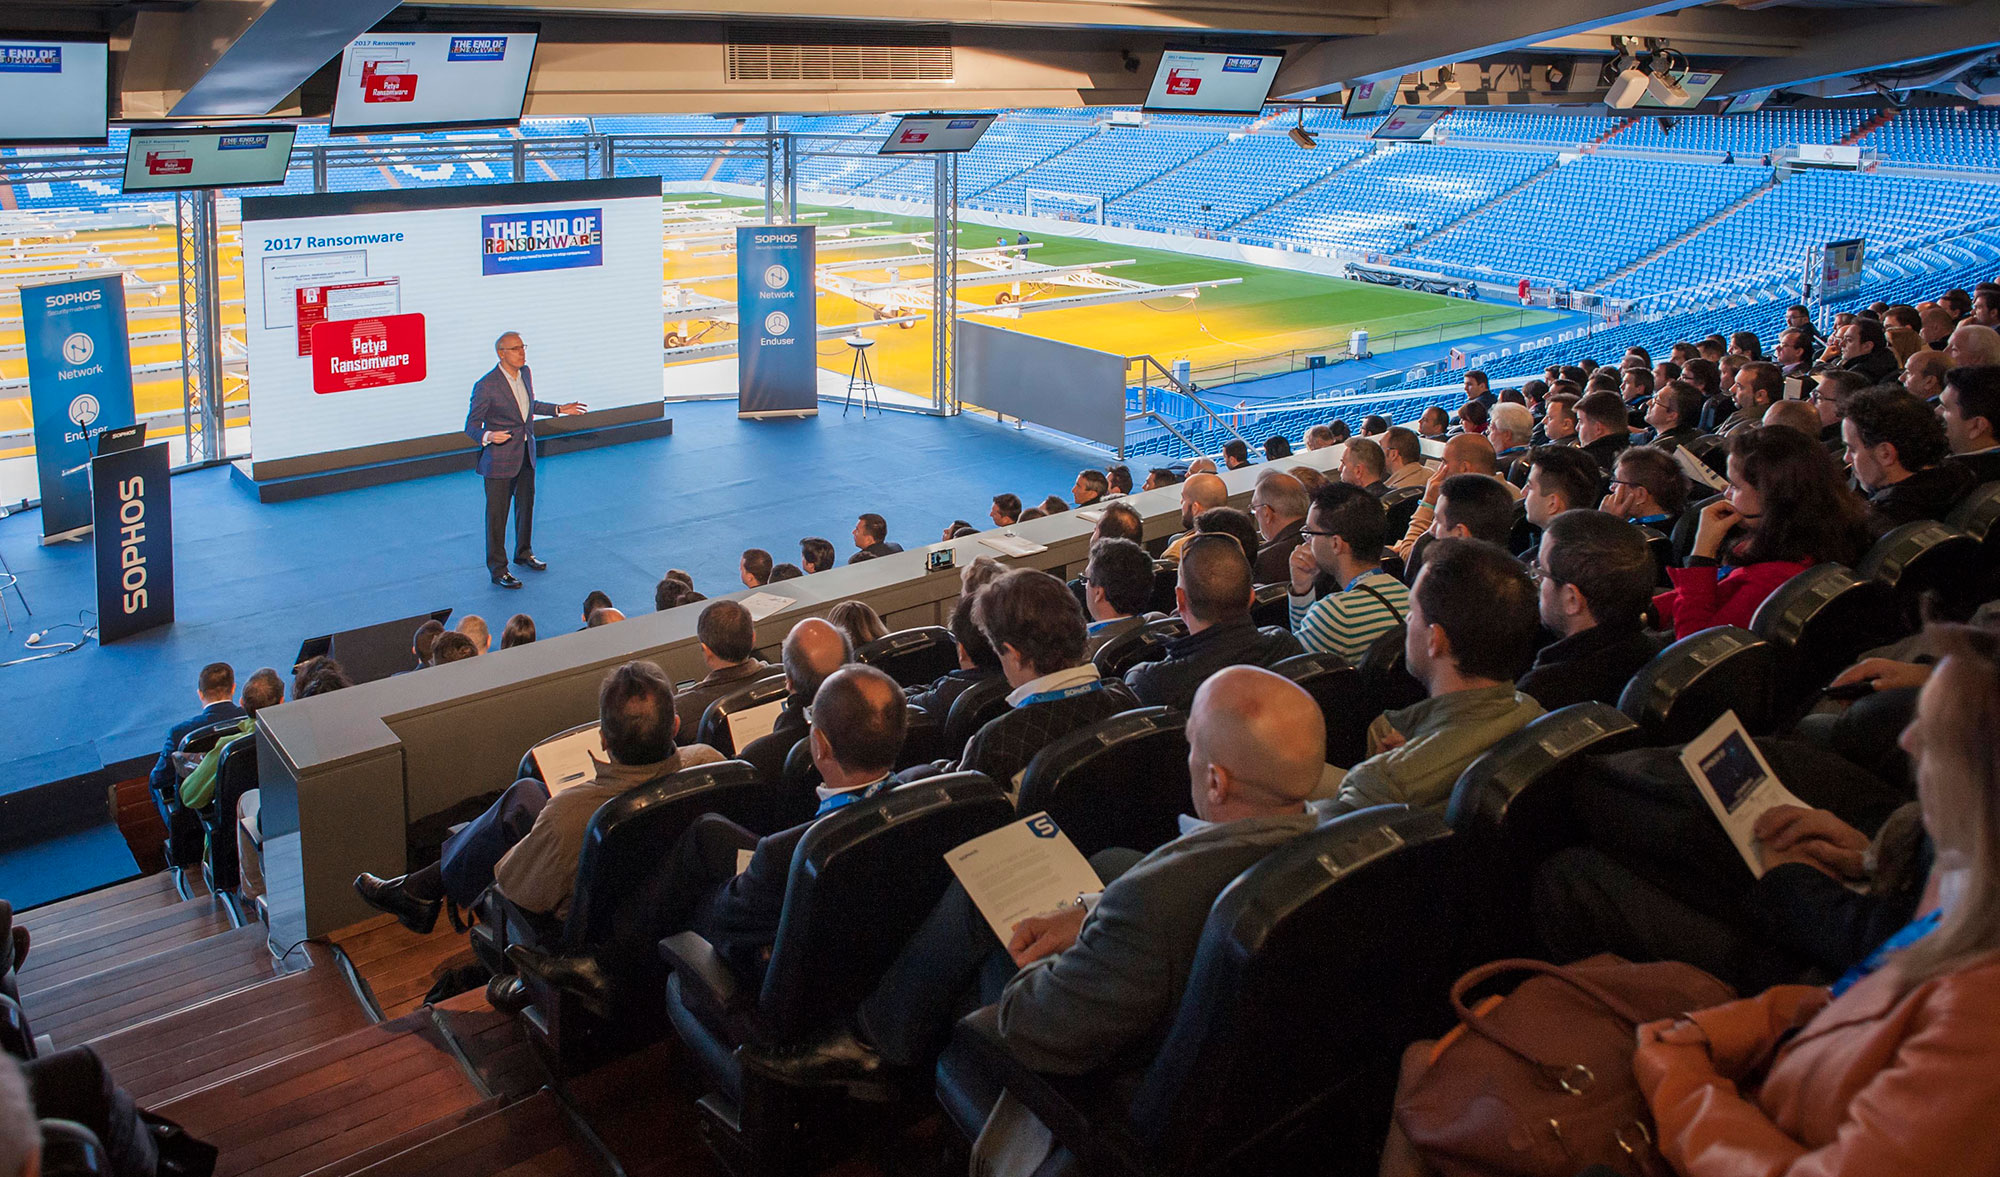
(1027, 868)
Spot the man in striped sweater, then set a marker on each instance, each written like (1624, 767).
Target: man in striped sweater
(1344, 534)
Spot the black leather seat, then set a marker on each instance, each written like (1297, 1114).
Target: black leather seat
(1272, 605)
(529, 769)
(235, 775)
(1400, 505)
(1523, 536)
(1976, 516)
(1689, 523)
(1689, 685)
(1145, 644)
(1819, 622)
(15, 1036)
(184, 828)
(1316, 967)
(626, 849)
(71, 1150)
(1166, 578)
(1385, 673)
(862, 880)
(714, 727)
(913, 657)
(1511, 809)
(1926, 558)
(1120, 782)
(1343, 700)
(1661, 545)
(976, 706)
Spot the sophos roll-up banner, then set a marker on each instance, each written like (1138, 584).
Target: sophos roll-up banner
(134, 540)
(777, 333)
(80, 383)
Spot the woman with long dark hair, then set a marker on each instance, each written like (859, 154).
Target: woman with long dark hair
(1786, 509)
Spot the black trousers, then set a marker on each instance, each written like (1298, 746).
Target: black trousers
(73, 1085)
(472, 854)
(520, 491)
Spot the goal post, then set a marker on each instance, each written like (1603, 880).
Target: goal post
(1055, 204)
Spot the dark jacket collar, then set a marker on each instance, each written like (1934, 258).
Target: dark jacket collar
(1585, 643)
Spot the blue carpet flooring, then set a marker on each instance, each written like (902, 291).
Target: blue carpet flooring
(58, 867)
(254, 579)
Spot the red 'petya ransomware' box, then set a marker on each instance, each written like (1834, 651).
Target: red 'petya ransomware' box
(367, 353)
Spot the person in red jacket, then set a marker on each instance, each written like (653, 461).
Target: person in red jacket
(1786, 509)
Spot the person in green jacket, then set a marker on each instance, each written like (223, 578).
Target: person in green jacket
(263, 689)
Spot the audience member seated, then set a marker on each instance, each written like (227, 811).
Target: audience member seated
(1603, 429)
(1213, 597)
(1403, 453)
(1973, 346)
(597, 617)
(728, 640)
(753, 568)
(1160, 476)
(317, 676)
(1560, 478)
(871, 539)
(1035, 628)
(1559, 421)
(456, 647)
(1647, 488)
(786, 572)
(1511, 430)
(1596, 578)
(1374, 425)
(1119, 476)
(598, 599)
(1201, 466)
(1276, 447)
(976, 662)
(1473, 417)
(1278, 508)
(1970, 408)
(423, 641)
(473, 626)
(74, 1085)
(1798, 415)
(1362, 464)
(859, 721)
(672, 592)
(1120, 521)
(527, 842)
(519, 632)
(817, 555)
(1756, 388)
(1786, 509)
(1097, 984)
(1865, 350)
(1471, 633)
(859, 621)
(1344, 534)
(1117, 583)
(1462, 455)
(1091, 485)
(1310, 478)
(1469, 506)
(1832, 390)
(1319, 437)
(1235, 454)
(1896, 445)
(1433, 424)
(1233, 523)
(215, 688)
(812, 650)
(1889, 1070)
(262, 689)
(1923, 374)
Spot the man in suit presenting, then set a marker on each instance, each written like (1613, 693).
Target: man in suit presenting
(502, 421)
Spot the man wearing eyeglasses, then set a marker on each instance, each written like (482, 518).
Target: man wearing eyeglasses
(502, 422)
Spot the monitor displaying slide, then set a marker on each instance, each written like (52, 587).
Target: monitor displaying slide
(54, 91)
(212, 157)
(1207, 81)
(1366, 98)
(932, 134)
(414, 81)
(1410, 122)
(369, 315)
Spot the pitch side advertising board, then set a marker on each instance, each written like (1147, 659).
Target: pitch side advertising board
(370, 315)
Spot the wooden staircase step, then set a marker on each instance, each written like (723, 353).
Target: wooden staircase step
(54, 959)
(114, 902)
(305, 1112)
(642, 1106)
(221, 1039)
(396, 964)
(531, 1138)
(142, 990)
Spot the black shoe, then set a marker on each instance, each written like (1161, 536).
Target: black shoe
(507, 580)
(507, 994)
(579, 976)
(841, 1060)
(418, 915)
(531, 564)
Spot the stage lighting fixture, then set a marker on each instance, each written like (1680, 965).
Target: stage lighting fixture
(1300, 135)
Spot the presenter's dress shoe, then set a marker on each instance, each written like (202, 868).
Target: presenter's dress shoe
(531, 564)
(418, 915)
(507, 580)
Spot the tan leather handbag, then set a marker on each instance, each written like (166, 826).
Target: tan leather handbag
(1539, 1083)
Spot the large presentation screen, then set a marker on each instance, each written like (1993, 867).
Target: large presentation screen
(370, 315)
(54, 91)
(405, 81)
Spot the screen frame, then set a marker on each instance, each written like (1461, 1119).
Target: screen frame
(1419, 136)
(991, 117)
(1232, 113)
(110, 87)
(1394, 99)
(1747, 102)
(496, 28)
(138, 135)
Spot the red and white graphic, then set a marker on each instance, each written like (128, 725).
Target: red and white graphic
(159, 163)
(1182, 81)
(388, 81)
(368, 353)
(913, 136)
(344, 300)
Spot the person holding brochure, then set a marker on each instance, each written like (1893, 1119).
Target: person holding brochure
(501, 422)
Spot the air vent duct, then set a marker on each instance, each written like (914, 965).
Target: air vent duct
(762, 55)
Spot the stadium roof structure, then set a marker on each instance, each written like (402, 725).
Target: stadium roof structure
(257, 58)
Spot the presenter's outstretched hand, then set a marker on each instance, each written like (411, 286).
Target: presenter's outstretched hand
(571, 409)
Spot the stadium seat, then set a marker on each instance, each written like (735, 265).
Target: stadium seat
(1925, 559)
(1129, 649)
(235, 775)
(1253, 1078)
(1272, 606)
(1343, 699)
(1166, 578)
(1691, 683)
(1385, 674)
(976, 706)
(1819, 622)
(626, 850)
(862, 880)
(15, 1036)
(714, 729)
(1401, 506)
(1661, 546)
(1119, 782)
(1712, 450)
(913, 657)
(184, 830)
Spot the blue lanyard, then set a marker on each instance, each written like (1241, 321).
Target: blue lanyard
(1649, 520)
(1360, 578)
(843, 800)
(1912, 932)
(1082, 688)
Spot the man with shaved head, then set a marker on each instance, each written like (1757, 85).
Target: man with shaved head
(1199, 493)
(1464, 454)
(1082, 986)
(1973, 346)
(812, 651)
(1213, 597)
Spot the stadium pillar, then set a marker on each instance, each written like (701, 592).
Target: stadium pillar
(201, 334)
(944, 281)
(791, 180)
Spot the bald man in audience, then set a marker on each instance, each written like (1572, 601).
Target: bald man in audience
(1082, 986)
(812, 651)
(1973, 346)
(1923, 374)
(1199, 493)
(1464, 454)
(1799, 415)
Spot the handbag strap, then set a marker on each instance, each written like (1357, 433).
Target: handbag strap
(1561, 1072)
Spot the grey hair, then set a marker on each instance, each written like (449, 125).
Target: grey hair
(504, 337)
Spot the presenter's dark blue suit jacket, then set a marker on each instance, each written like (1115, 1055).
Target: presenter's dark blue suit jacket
(495, 410)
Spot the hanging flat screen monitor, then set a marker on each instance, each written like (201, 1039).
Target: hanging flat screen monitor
(1366, 98)
(54, 91)
(1208, 81)
(1746, 103)
(1696, 83)
(427, 81)
(930, 134)
(1410, 122)
(207, 157)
